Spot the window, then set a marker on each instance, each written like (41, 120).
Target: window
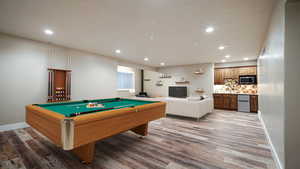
(125, 78)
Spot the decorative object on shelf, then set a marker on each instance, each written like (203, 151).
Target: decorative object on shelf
(147, 79)
(199, 90)
(164, 75)
(182, 82)
(59, 85)
(199, 71)
(159, 83)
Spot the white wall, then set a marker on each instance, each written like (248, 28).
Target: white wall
(57, 57)
(23, 72)
(150, 86)
(271, 81)
(204, 81)
(92, 76)
(292, 81)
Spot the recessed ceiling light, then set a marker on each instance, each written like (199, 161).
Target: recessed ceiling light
(48, 32)
(221, 47)
(246, 58)
(162, 64)
(227, 56)
(118, 51)
(146, 59)
(223, 60)
(151, 36)
(209, 29)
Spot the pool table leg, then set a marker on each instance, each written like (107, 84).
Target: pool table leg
(85, 152)
(141, 130)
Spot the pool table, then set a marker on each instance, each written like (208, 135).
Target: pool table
(76, 126)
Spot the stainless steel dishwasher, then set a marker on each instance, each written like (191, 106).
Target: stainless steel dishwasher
(243, 103)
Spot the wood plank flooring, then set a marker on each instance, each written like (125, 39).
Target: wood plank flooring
(220, 140)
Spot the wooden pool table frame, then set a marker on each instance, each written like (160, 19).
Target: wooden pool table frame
(80, 133)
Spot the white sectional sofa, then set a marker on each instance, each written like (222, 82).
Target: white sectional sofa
(185, 107)
(189, 108)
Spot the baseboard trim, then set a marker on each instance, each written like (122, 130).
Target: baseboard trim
(274, 153)
(13, 126)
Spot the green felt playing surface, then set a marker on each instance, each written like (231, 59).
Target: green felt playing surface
(69, 108)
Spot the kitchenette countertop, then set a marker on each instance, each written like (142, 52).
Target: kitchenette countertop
(235, 93)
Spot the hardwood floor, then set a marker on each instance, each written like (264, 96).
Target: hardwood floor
(220, 140)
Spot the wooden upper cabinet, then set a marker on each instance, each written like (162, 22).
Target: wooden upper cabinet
(221, 74)
(247, 70)
(252, 71)
(243, 71)
(235, 73)
(228, 73)
(231, 73)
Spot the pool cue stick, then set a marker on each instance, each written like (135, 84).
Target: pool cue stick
(127, 105)
(92, 111)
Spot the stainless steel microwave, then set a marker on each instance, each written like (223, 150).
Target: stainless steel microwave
(247, 79)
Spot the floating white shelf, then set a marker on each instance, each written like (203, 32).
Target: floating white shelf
(198, 73)
(199, 91)
(182, 82)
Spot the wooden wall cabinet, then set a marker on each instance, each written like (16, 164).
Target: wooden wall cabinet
(221, 74)
(231, 73)
(59, 85)
(247, 71)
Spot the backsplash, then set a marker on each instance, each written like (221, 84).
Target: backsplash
(244, 89)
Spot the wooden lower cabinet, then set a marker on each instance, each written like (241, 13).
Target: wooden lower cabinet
(253, 103)
(233, 102)
(225, 101)
(218, 101)
(230, 102)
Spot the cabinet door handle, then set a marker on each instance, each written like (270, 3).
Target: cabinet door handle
(243, 101)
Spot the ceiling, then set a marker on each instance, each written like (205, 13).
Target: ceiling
(170, 31)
